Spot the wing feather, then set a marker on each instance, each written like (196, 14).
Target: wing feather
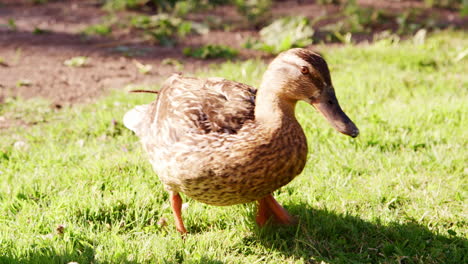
(203, 106)
(212, 105)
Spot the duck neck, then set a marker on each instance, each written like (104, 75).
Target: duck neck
(272, 111)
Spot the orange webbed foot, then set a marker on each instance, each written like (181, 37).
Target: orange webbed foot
(268, 208)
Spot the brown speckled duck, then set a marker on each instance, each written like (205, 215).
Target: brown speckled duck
(222, 142)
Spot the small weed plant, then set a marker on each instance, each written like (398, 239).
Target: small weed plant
(283, 34)
(211, 52)
(79, 61)
(256, 12)
(98, 29)
(166, 28)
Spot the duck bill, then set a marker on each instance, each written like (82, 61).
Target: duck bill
(328, 105)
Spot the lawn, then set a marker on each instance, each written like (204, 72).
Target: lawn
(76, 186)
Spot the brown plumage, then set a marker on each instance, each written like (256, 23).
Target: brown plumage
(222, 143)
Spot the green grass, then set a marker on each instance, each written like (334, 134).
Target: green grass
(396, 194)
(211, 52)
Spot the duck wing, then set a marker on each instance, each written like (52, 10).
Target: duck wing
(202, 106)
(224, 106)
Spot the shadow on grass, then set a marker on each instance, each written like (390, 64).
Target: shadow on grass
(322, 235)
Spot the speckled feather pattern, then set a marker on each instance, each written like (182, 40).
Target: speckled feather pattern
(222, 142)
(202, 140)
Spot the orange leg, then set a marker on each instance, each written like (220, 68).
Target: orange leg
(176, 203)
(269, 207)
(264, 212)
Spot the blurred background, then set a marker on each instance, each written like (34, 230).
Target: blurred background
(39, 37)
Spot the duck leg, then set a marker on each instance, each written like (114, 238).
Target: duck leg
(269, 207)
(176, 202)
(264, 212)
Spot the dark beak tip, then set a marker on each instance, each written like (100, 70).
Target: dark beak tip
(353, 133)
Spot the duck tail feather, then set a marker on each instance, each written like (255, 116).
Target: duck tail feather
(133, 118)
(143, 91)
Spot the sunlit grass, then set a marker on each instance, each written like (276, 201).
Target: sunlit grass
(79, 188)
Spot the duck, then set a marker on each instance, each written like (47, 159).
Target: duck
(222, 142)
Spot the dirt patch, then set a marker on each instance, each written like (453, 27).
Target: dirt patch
(32, 64)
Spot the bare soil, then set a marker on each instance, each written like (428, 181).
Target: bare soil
(32, 64)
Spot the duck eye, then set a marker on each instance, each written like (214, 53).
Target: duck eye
(304, 70)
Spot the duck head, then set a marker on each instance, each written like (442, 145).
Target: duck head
(300, 74)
